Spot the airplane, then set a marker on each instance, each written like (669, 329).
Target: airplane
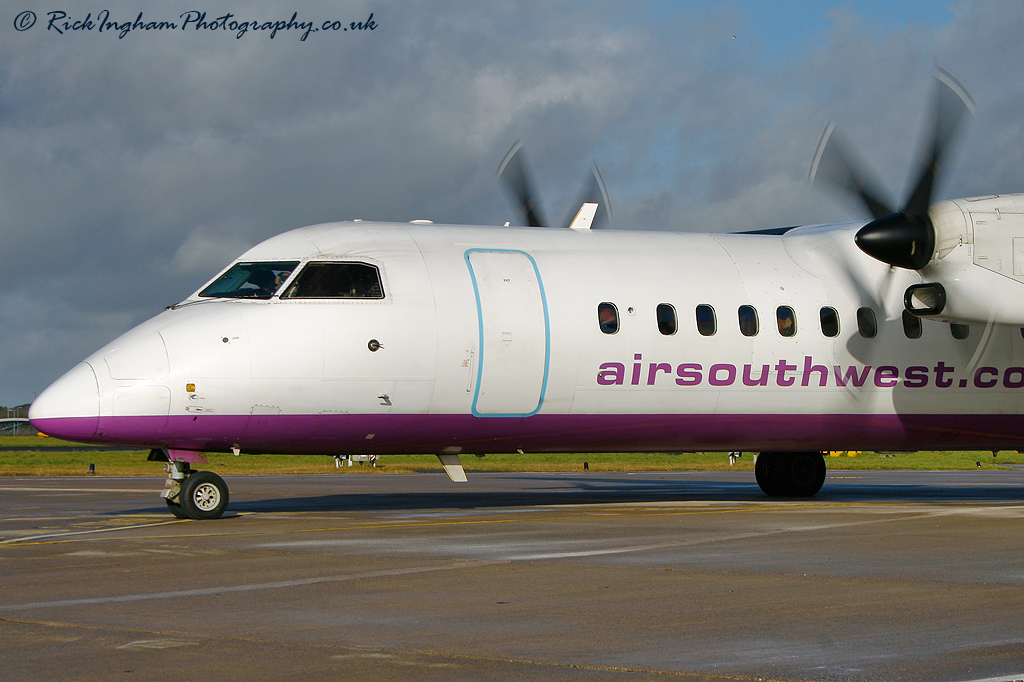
(12, 424)
(899, 333)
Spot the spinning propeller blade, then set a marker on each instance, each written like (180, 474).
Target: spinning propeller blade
(512, 172)
(835, 164)
(518, 182)
(904, 238)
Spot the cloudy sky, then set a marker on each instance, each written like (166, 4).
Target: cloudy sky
(133, 168)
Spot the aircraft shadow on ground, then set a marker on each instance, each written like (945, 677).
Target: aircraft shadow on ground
(617, 490)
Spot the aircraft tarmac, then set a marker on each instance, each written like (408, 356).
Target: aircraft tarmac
(569, 576)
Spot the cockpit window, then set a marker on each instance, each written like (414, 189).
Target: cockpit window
(250, 280)
(336, 280)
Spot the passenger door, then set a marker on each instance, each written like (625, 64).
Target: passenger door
(514, 333)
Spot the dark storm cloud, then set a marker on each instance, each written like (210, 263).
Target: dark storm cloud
(132, 169)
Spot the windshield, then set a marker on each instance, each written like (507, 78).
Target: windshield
(250, 280)
(336, 280)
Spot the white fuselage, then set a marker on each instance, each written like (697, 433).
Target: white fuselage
(489, 339)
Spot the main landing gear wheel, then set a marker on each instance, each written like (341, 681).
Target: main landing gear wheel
(790, 474)
(204, 495)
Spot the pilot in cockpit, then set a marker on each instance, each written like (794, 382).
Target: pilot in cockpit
(264, 282)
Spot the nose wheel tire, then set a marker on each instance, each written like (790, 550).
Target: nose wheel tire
(176, 509)
(204, 495)
(790, 474)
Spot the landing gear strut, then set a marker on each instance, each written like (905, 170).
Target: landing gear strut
(194, 494)
(790, 474)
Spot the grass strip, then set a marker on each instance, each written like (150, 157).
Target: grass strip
(38, 456)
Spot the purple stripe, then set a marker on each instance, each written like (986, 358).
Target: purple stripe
(410, 434)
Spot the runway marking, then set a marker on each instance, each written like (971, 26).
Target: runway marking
(156, 644)
(31, 539)
(59, 538)
(251, 587)
(701, 541)
(390, 654)
(766, 506)
(35, 540)
(11, 488)
(457, 565)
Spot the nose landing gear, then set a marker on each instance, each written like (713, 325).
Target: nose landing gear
(194, 494)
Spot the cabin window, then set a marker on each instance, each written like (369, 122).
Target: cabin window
(707, 325)
(748, 320)
(666, 319)
(866, 323)
(608, 317)
(911, 325)
(786, 319)
(959, 331)
(250, 280)
(336, 280)
(829, 321)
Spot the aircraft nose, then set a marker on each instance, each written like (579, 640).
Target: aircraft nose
(70, 407)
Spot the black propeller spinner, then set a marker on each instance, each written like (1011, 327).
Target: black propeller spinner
(903, 238)
(513, 173)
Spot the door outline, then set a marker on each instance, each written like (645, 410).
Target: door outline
(480, 334)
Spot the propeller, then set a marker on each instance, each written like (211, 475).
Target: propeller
(512, 171)
(518, 182)
(835, 163)
(903, 238)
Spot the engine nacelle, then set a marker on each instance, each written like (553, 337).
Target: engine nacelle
(978, 261)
